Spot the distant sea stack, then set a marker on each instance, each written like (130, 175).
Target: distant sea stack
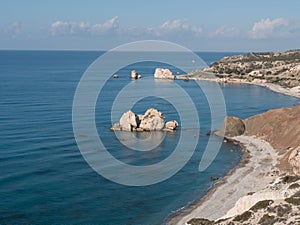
(162, 73)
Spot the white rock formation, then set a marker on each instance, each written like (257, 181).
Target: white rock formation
(152, 120)
(171, 125)
(161, 73)
(128, 121)
(135, 75)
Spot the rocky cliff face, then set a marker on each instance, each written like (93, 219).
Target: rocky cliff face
(279, 127)
(279, 68)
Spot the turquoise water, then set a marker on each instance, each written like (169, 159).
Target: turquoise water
(44, 178)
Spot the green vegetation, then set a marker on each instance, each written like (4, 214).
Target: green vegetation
(273, 67)
(294, 186)
(267, 220)
(293, 200)
(290, 179)
(261, 205)
(200, 221)
(243, 217)
(280, 210)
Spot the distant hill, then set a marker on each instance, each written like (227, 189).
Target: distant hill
(281, 68)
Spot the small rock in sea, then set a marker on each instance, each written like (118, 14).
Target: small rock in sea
(115, 76)
(135, 75)
(116, 127)
(214, 178)
(171, 125)
(186, 79)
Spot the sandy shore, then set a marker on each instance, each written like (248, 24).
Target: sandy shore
(255, 171)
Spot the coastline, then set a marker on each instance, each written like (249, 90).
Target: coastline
(293, 92)
(249, 176)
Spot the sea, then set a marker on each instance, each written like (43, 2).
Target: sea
(45, 177)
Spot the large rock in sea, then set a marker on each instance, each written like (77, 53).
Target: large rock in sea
(232, 126)
(128, 121)
(161, 73)
(152, 120)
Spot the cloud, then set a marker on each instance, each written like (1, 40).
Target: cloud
(13, 30)
(61, 28)
(226, 32)
(178, 26)
(266, 28)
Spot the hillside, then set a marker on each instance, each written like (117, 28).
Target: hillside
(281, 68)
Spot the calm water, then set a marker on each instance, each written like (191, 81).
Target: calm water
(44, 178)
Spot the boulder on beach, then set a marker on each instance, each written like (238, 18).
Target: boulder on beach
(151, 120)
(161, 73)
(232, 126)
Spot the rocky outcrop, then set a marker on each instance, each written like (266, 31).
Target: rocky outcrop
(135, 75)
(161, 73)
(151, 120)
(171, 125)
(294, 160)
(232, 126)
(128, 121)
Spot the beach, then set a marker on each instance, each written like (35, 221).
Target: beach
(246, 184)
(256, 169)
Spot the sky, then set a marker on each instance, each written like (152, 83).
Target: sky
(211, 25)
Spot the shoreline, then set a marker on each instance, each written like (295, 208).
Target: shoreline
(201, 208)
(293, 92)
(249, 176)
(176, 217)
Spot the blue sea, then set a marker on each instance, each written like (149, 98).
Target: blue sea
(44, 178)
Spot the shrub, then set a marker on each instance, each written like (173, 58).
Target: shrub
(243, 217)
(261, 205)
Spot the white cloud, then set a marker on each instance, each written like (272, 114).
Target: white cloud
(177, 26)
(266, 28)
(13, 30)
(226, 32)
(75, 28)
